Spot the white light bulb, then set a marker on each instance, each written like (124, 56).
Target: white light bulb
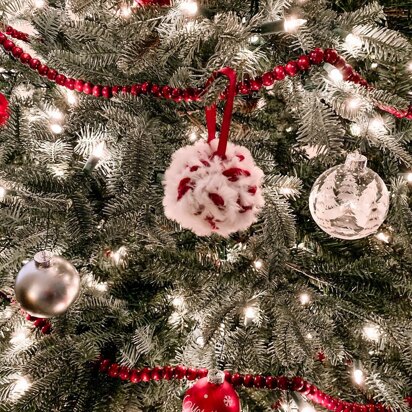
(409, 177)
(39, 3)
(200, 341)
(21, 386)
(251, 312)
(353, 42)
(56, 114)
(309, 336)
(58, 171)
(304, 298)
(56, 128)
(377, 125)
(289, 129)
(125, 12)
(193, 136)
(383, 237)
(20, 337)
(292, 24)
(358, 376)
(308, 408)
(374, 66)
(372, 332)
(409, 66)
(71, 97)
(101, 287)
(258, 264)
(3, 192)
(119, 255)
(178, 301)
(336, 75)
(255, 39)
(353, 103)
(355, 129)
(99, 150)
(189, 8)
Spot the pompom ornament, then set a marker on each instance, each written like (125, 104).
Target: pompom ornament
(4, 110)
(349, 201)
(211, 394)
(47, 285)
(214, 186)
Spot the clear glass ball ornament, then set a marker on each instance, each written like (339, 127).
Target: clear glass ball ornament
(349, 201)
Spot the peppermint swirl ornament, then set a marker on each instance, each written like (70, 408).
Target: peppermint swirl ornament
(349, 201)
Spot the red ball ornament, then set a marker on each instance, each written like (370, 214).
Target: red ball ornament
(268, 79)
(291, 68)
(211, 394)
(279, 72)
(331, 56)
(303, 62)
(4, 110)
(316, 56)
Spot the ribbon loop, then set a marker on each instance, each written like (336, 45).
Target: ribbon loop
(211, 111)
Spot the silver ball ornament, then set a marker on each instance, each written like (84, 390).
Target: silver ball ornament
(349, 201)
(47, 285)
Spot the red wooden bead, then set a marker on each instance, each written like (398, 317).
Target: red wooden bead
(259, 381)
(30, 318)
(107, 92)
(297, 384)
(291, 68)
(168, 372)
(271, 382)
(268, 79)
(97, 90)
(8, 45)
(193, 94)
(124, 373)
(331, 56)
(34, 64)
(303, 62)
(363, 83)
(283, 383)
(256, 84)
(88, 88)
(340, 63)
(306, 388)
(136, 89)
(347, 72)
(60, 79)
(166, 92)
(191, 374)
(17, 51)
(409, 116)
(180, 372)
(279, 72)
(113, 370)
(9, 30)
(69, 83)
(176, 95)
(244, 88)
(116, 89)
(202, 373)
(145, 374)
(135, 376)
(316, 56)
(146, 87)
(79, 85)
(339, 406)
(355, 78)
(51, 74)
(237, 379)
(228, 376)
(43, 70)
(126, 89)
(3, 38)
(46, 328)
(104, 365)
(156, 373)
(155, 90)
(39, 323)
(248, 380)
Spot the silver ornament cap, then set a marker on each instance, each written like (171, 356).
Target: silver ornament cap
(47, 285)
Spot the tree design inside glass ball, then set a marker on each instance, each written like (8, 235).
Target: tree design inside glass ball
(349, 201)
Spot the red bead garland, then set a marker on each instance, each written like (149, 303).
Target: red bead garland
(316, 56)
(43, 325)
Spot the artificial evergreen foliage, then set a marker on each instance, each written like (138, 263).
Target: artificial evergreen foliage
(155, 294)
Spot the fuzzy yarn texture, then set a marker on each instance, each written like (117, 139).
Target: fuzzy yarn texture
(208, 194)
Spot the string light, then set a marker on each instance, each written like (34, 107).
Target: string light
(56, 128)
(193, 136)
(374, 66)
(371, 332)
(71, 97)
(336, 75)
(119, 256)
(289, 129)
(384, 237)
(308, 408)
(189, 8)
(353, 103)
(304, 298)
(353, 42)
(99, 150)
(358, 376)
(200, 341)
(101, 287)
(409, 177)
(56, 114)
(409, 66)
(20, 337)
(178, 302)
(258, 264)
(125, 11)
(355, 129)
(377, 125)
(251, 313)
(255, 39)
(58, 171)
(39, 3)
(97, 154)
(309, 336)
(21, 386)
(3, 192)
(292, 24)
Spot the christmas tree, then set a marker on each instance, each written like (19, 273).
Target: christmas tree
(131, 308)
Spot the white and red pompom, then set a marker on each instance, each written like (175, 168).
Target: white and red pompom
(208, 194)
(209, 396)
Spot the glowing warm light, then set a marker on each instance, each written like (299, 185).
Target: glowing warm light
(189, 8)
(358, 376)
(258, 264)
(98, 150)
(58, 171)
(255, 39)
(3, 192)
(336, 75)
(119, 255)
(101, 287)
(308, 408)
(20, 337)
(39, 3)
(56, 128)
(409, 177)
(383, 237)
(374, 66)
(200, 341)
(289, 129)
(125, 11)
(353, 103)
(21, 386)
(304, 298)
(353, 42)
(174, 318)
(309, 336)
(251, 312)
(372, 332)
(71, 97)
(409, 66)
(292, 24)
(377, 125)
(193, 136)
(56, 114)
(178, 301)
(355, 129)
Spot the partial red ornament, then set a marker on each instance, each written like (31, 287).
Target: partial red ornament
(4, 109)
(212, 394)
(143, 3)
